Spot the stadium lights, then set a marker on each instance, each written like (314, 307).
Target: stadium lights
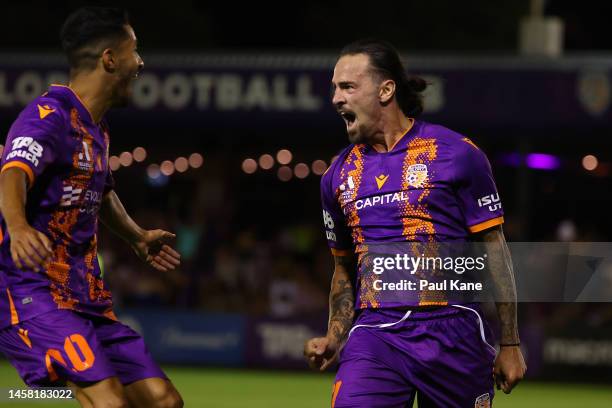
(167, 168)
(126, 159)
(284, 156)
(196, 160)
(542, 161)
(140, 154)
(285, 173)
(181, 164)
(301, 170)
(319, 167)
(249, 166)
(153, 171)
(590, 162)
(266, 161)
(114, 163)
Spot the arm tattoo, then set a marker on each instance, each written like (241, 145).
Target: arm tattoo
(500, 265)
(341, 300)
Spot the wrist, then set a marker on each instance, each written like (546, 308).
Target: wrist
(16, 225)
(332, 339)
(137, 236)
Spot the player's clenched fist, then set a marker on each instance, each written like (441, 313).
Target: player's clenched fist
(29, 248)
(320, 352)
(509, 368)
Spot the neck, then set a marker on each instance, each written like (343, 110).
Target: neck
(392, 128)
(93, 92)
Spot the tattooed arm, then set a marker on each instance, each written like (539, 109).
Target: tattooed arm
(509, 365)
(321, 352)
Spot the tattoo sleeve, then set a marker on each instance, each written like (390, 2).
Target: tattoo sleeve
(341, 299)
(502, 274)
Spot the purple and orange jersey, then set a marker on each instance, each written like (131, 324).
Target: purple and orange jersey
(434, 185)
(65, 156)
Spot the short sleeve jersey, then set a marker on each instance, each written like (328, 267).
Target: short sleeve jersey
(434, 185)
(65, 157)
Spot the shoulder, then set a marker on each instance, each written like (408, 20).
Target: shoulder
(454, 142)
(444, 136)
(45, 114)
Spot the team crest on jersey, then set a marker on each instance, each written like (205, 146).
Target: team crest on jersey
(346, 189)
(484, 401)
(85, 159)
(416, 176)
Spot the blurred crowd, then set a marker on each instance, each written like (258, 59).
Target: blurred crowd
(231, 262)
(256, 245)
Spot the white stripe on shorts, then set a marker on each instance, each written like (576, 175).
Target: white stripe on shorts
(482, 333)
(381, 326)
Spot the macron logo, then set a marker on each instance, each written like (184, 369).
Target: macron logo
(45, 110)
(381, 180)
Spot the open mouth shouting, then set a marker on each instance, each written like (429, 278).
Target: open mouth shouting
(349, 118)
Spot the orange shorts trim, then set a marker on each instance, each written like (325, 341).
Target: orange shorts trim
(14, 316)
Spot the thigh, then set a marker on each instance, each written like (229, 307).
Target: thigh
(453, 362)
(127, 352)
(367, 377)
(55, 347)
(108, 391)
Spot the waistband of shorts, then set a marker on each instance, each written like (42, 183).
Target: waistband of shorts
(419, 312)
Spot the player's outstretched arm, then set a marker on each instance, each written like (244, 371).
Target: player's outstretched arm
(509, 365)
(321, 352)
(150, 245)
(29, 248)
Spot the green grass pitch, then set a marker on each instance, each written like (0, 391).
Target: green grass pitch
(234, 388)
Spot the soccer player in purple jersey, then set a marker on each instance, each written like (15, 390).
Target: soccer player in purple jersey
(57, 324)
(405, 180)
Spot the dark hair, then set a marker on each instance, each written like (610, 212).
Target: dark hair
(385, 61)
(90, 27)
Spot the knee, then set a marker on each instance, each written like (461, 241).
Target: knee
(172, 400)
(168, 397)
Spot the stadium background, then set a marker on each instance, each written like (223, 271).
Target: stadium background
(232, 126)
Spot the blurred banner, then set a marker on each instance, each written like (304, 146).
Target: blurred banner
(279, 343)
(579, 350)
(189, 337)
(250, 91)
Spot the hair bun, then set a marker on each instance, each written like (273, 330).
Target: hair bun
(417, 84)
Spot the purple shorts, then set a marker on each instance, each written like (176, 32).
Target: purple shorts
(63, 345)
(443, 357)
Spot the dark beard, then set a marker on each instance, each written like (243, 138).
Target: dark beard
(356, 139)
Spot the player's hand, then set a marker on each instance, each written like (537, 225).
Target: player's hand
(30, 248)
(509, 368)
(153, 249)
(321, 352)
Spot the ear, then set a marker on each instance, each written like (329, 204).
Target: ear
(109, 62)
(387, 90)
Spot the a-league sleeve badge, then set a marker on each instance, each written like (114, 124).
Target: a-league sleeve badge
(484, 401)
